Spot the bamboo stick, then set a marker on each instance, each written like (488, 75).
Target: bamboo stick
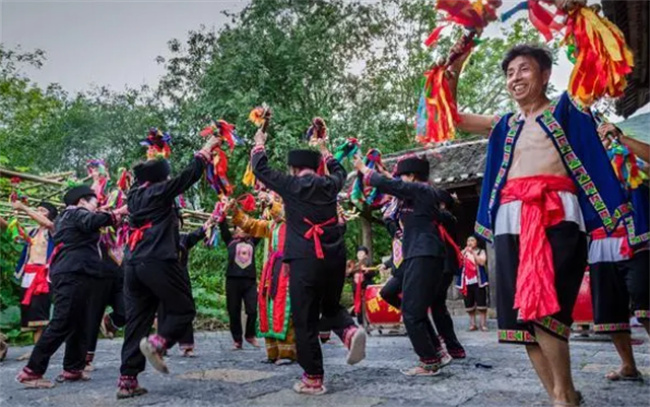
(30, 177)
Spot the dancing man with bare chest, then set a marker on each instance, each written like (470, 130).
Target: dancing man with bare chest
(547, 182)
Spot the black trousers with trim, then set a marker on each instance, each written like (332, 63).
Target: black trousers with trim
(422, 277)
(440, 314)
(147, 286)
(569, 247)
(71, 293)
(315, 287)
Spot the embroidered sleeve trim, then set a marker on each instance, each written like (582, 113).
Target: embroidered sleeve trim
(483, 231)
(257, 149)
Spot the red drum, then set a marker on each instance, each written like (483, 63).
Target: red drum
(583, 313)
(378, 311)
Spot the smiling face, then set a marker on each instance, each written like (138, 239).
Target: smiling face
(525, 80)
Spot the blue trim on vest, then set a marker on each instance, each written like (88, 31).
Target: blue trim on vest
(23, 255)
(573, 132)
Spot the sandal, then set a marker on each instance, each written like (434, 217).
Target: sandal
(130, 393)
(76, 376)
(420, 371)
(473, 328)
(153, 355)
(302, 388)
(485, 329)
(357, 347)
(188, 353)
(32, 380)
(618, 376)
(128, 387)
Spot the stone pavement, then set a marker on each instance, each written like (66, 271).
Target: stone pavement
(221, 377)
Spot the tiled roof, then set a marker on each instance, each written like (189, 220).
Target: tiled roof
(458, 162)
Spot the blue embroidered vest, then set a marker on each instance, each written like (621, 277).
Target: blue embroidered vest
(573, 132)
(638, 226)
(23, 255)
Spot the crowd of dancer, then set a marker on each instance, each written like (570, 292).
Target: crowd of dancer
(551, 203)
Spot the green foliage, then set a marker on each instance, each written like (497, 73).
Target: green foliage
(9, 289)
(207, 273)
(357, 64)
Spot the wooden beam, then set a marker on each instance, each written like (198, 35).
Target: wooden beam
(30, 177)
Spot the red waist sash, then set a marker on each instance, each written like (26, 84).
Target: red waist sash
(620, 231)
(315, 231)
(136, 234)
(39, 285)
(541, 207)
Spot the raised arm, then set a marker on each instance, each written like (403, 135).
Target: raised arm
(191, 239)
(90, 222)
(337, 174)
(396, 188)
(257, 228)
(39, 218)
(173, 187)
(226, 236)
(469, 123)
(273, 179)
(637, 147)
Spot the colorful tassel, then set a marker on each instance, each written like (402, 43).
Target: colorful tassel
(539, 16)
(217, 173)
(437, 113)
(366, 195)
(473, 15)
(247, 202)
(348, 149)
(17, 232)
(158, 144)
(317, 130)
(602, 57)
(223, 130)
(125, 180)
(249, 178)
(626, 165)
(17, 193)
(260, 116)
(212, 231)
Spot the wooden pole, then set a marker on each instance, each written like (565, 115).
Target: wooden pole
(29, 177)
(197, 214)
